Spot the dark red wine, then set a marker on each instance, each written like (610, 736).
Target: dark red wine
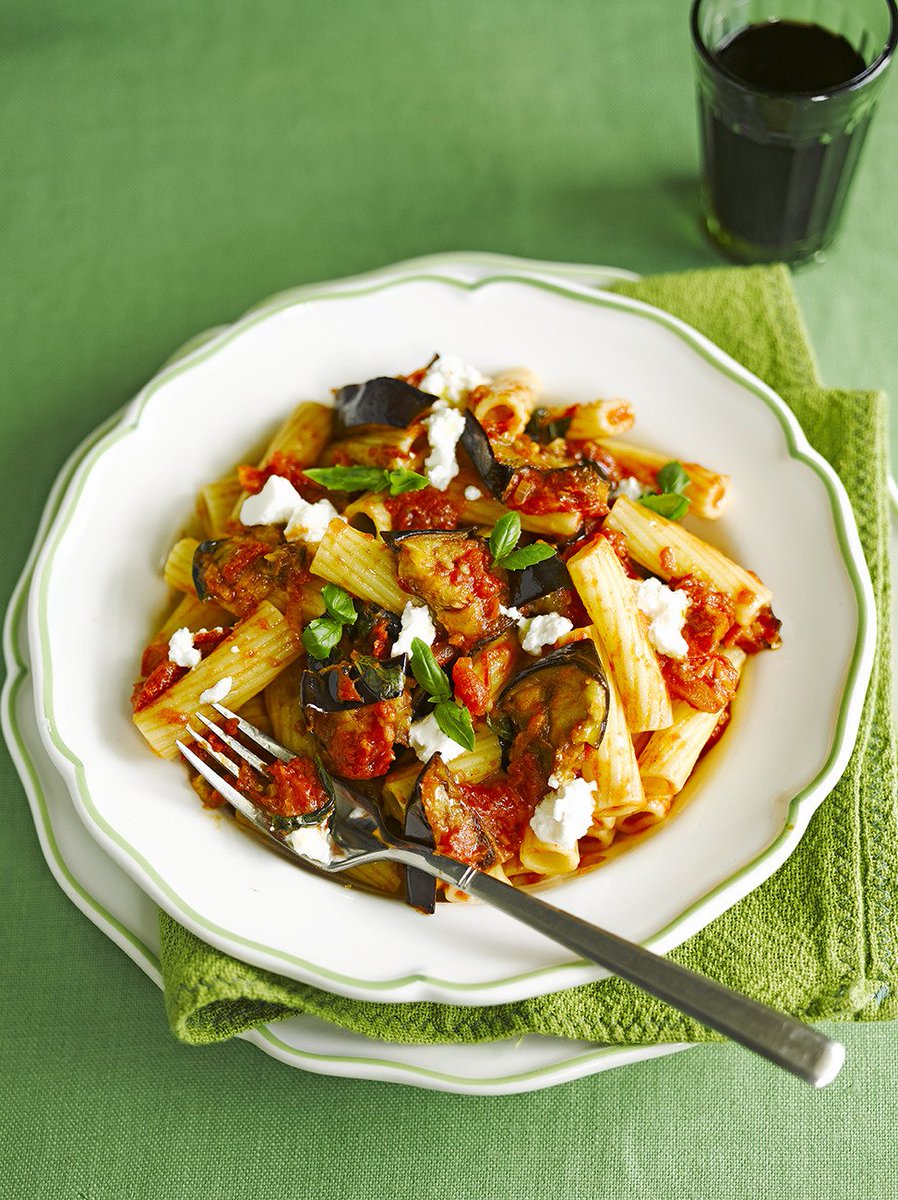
(777, 179)
(789, 56)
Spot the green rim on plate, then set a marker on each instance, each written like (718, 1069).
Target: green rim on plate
(801, 805)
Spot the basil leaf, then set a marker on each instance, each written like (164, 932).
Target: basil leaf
(386, 680)
(427, 671)
(401, 480)
(502, 727)
(349, 479)
(527, 556)
(455, 721)
(321, 635)
(544, 431)
(534, 426)
(673, 478)
(669, 505)
(338, 604)
(505, 536)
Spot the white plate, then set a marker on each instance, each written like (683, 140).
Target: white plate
(97, 592)
(118, 907)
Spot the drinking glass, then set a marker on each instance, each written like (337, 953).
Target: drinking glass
(781, 137)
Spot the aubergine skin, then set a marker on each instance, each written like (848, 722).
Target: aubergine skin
(381, 401)
(495, 475)
(372, 680)
(204, 551)
(538, 580)
(420, 889)
(456, 828)
(572, 693)
(505, 480)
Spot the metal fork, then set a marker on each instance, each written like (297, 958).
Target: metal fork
(357, 835)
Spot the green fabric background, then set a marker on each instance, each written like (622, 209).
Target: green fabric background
(163, 164)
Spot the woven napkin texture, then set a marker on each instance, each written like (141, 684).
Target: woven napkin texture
(818, 938)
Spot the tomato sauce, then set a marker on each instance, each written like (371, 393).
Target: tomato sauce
(564, 489)
(709, 616)
(243, 554)
(358, 743)
(470, 686)
(502, 812)
(762, 634)
(706, 681)
(298, 789)
(528, 779)
(425, 509)
(593, 452)
(147, 691)
(380, 639)
(253, 479)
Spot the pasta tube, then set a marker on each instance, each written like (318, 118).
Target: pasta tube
(669, 551)
(612, 764)
(670, 755)
(299, 441)
(547, 858)
(178, 569)
(608, 597)
(709, 492)
(215, 506)
(507, 400)
(361, 564)
(487, 511)
(602, 419)
(265, 645)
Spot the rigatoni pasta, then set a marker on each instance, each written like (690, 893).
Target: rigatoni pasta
(609, 600)
(669, 551)
(483, 612)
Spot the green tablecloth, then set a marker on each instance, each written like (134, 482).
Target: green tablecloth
(164, 166)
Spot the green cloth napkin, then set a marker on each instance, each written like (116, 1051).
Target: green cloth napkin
(818, 938)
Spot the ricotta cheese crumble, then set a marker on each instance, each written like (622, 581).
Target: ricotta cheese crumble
(666, 611)
(564, 815)
(426, 739)
(313, 841)
(536, 632)
(416, 623)
(629, 486)
(279, 503)
(451, 379)
(445, 425)
(181, 649)
(217, 692)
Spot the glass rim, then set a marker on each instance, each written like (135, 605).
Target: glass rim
(854, 83)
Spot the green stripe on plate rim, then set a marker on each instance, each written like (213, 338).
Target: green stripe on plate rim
(715, 358)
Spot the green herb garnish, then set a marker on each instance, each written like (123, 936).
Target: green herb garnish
(505, 536)
(367, 479)
(669, 500)
(321, 635)
(544, 431)
(454, 719)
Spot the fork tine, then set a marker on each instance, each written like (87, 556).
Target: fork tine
(237, 747)
(261, 739)
(230, 793)
(216, 754)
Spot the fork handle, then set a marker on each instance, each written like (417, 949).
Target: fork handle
(781, 1039)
